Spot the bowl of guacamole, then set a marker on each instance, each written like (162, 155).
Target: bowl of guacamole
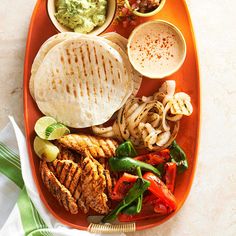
(81, 16)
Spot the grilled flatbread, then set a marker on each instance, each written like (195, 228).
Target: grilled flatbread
(82, 82)
(117, 39)
(45, 48)
(136, 77)
(113, 37)
(122, 43)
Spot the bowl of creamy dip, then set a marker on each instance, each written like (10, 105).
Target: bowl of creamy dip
(156, 49)
(81, 16)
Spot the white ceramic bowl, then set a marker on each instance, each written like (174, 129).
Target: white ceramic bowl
(111, 9)
(156, 49)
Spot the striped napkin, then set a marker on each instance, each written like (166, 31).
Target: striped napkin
(21, 210)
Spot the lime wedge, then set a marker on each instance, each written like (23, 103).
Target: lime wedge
(56, 131)
(45, 150)
(42, 124)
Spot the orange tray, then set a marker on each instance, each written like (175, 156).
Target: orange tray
(187, 80)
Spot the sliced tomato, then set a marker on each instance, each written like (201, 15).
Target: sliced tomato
(170, 175)
(125, 182)
(160, 190)
(155, 158)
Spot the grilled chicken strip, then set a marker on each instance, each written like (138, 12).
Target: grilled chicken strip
(66, 154)
(88, 185)
(111, 177)
(75, 178)
(69, 174)
(60, 192)
(109, 183)
(97, 147)
(74, 187)
(94, 185)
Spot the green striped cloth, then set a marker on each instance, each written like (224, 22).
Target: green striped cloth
(22, 212)
(30, 220)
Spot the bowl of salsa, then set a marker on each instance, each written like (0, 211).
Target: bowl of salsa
(145, 8)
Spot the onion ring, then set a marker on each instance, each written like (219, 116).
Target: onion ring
(148, 121)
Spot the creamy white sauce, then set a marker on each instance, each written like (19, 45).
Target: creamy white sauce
(156, 49)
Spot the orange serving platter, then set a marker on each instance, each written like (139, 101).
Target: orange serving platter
(187, 80)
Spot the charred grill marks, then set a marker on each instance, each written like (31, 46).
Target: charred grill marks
(81, 181)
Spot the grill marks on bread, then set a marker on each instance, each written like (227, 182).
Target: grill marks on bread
(87, 75)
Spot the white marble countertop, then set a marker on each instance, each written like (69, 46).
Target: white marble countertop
(211, 206)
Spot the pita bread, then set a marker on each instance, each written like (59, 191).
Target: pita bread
(122, 42)
(117, 39)
(45, 48)
(58, 38)
(82, 82)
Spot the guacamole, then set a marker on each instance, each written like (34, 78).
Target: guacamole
(82, 16)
